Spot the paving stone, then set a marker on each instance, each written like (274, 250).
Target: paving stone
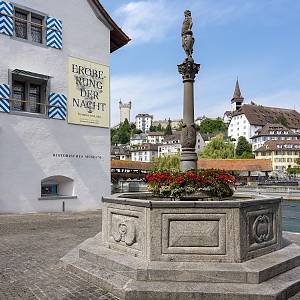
(31, 246)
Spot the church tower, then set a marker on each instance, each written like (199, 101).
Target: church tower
(237, 99)
(124, 111)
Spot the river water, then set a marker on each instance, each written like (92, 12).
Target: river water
(291, 215)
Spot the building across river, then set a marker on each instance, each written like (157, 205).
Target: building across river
(54, 104)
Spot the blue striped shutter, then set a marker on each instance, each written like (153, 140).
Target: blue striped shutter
(6, 18)
(4, 98)
(54, 33)
(57, 106)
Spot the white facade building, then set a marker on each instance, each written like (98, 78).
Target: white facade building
(125, 109)
(44, 159)
(171, 144)
(272, 132)
(144, 152)
(155, 137)
(143, 122)
(247, 119)
(138, 139)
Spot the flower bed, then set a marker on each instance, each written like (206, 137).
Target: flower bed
(176, 184)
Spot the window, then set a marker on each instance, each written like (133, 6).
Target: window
(57, 186)
(29, 26)
(29, 92)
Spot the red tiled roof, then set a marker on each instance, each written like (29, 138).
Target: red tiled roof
(236, 164)
(286, 145)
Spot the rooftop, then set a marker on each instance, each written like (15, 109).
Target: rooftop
(286, 145)
(118, 38)
(275, 129)
(261, 115)
(154, 133)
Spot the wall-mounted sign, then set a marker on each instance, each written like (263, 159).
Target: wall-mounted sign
(88, 99)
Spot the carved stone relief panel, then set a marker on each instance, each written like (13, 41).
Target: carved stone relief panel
(261, 228)
(194, 234)
(125, 229)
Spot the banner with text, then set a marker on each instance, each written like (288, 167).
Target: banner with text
(88, 99)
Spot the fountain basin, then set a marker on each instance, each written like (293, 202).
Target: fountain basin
(232, 230)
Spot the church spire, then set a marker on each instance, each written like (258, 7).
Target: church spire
(237, 99)
(237, 91)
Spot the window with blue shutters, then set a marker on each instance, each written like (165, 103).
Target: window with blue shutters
(28, 92)
(30, 25)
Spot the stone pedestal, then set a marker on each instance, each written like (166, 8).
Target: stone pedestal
(151, 249)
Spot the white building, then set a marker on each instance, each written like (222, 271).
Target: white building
(247, 119)
(155, 137)
(171, 144)
(54, 104)
(144, 152)
(199, 120)
(121, 152)
(175, 124)
(138, 139)
(143, 122)
(272, 132)
(124, 111)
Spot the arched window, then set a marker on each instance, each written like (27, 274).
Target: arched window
(57, 186)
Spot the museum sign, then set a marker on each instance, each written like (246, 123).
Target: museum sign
(88, 101)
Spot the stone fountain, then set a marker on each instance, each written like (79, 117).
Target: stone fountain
(166, 250)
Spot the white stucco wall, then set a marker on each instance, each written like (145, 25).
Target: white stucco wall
(27, 143)
(240, 126)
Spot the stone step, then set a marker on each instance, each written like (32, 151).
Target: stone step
(278, 288)
(254, 271)
(106, 279)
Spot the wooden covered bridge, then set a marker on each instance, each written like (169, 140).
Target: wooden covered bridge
(126, 169)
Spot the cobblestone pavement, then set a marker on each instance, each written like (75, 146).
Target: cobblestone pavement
(30, 248)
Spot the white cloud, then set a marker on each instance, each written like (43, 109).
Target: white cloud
(157, 94)
(146, 21)
(152, 20)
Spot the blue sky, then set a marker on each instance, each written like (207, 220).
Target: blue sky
(256, 40)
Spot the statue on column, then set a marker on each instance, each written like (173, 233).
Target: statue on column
(187, 34)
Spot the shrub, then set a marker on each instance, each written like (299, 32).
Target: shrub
(176, 184)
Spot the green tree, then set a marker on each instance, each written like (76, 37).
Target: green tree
(218, 148)
(243, 148)
(166, 163)
(168, 130)
(122, 134)
(153, 128)
(212, 126)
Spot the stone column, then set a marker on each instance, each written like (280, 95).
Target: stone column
(188, 159)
